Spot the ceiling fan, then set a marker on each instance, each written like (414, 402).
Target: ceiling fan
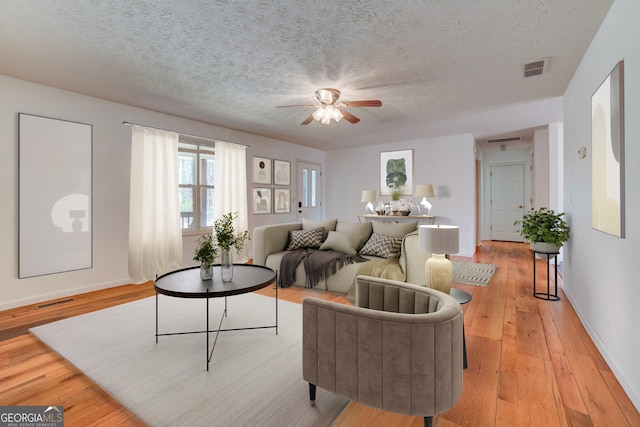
(331, 109)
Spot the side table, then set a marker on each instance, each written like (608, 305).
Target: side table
(462, 297)
(548, 296)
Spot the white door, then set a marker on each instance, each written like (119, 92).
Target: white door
(507, 201)
(309, 177)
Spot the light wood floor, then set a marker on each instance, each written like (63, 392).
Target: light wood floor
(531, 363)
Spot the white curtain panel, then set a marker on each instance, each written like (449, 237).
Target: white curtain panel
(231, 187)
(155, 236)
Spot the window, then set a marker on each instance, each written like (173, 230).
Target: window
(196, 164)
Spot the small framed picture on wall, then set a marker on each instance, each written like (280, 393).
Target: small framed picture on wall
(261, 200)
(281, 172)
(281, 200)
(261, 170)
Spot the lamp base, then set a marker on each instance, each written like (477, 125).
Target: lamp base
(424, 207)
(368, 209)
(439, 273)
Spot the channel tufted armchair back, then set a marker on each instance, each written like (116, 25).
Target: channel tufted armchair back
(399, 349)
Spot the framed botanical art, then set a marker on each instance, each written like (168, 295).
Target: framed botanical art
(281, 200)
(607, 152)
(281, 172)
(261, 170)
(261, 200)
(396, 172)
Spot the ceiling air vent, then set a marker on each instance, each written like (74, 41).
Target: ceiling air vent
(535, 68)
(503, 140)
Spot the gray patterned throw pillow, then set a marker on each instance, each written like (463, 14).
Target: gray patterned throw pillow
(300, 239)
(381, 246)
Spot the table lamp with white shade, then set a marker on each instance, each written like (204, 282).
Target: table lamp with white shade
(424, 191)
(439, 240)
(369, 196)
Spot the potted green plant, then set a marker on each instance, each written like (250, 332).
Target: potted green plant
(226, 237)
(396, 192)
(206, 252)
(545, 229)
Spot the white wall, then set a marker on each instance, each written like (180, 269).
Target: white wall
(111, 159)
(447, 162)
(601, 275)
(556, 167)
(540, 184)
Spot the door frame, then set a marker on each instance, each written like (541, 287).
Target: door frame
(298, 187)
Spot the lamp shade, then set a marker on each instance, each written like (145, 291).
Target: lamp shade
(438, 239)
(369, 196)
(424, 190)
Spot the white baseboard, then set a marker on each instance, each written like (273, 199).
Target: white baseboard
(630, 389)
(61, 294)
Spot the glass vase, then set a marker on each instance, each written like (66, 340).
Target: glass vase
(226, 266)
(206, 273)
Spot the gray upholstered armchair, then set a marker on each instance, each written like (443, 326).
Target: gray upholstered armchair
(399, 349)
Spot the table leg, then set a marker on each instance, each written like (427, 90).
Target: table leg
(464, 348)
(156, 317)
(207, 332)
(534, 274)
(548, 296)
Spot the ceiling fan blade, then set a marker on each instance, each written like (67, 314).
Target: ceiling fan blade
(349, 117)
(369, 103)
(299, 105)
(307, 120)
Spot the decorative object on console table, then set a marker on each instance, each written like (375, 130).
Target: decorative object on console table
(424, 191)
(368, 197)
(405, 206)
(439, 240)
(396, 192)
(382, 217)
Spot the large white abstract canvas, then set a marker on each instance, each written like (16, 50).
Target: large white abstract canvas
(55, 179)
(607, 149)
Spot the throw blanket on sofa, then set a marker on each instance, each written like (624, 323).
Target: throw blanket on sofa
(318, 265)
(385, 269)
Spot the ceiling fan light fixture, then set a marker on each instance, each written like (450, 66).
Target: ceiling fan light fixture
(327, 95)
(325, 113)
(329, 108)
(318, 114)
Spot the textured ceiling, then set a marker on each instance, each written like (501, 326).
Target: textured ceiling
(439, 66)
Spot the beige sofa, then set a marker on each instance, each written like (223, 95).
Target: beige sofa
(270, 243)
(400, 349)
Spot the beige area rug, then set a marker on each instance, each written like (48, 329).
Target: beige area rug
(472, 273)
(255, 376)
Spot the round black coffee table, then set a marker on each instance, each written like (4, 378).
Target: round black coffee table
(186, 283)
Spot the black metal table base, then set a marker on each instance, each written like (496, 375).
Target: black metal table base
(209, 353)
(547, 296)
